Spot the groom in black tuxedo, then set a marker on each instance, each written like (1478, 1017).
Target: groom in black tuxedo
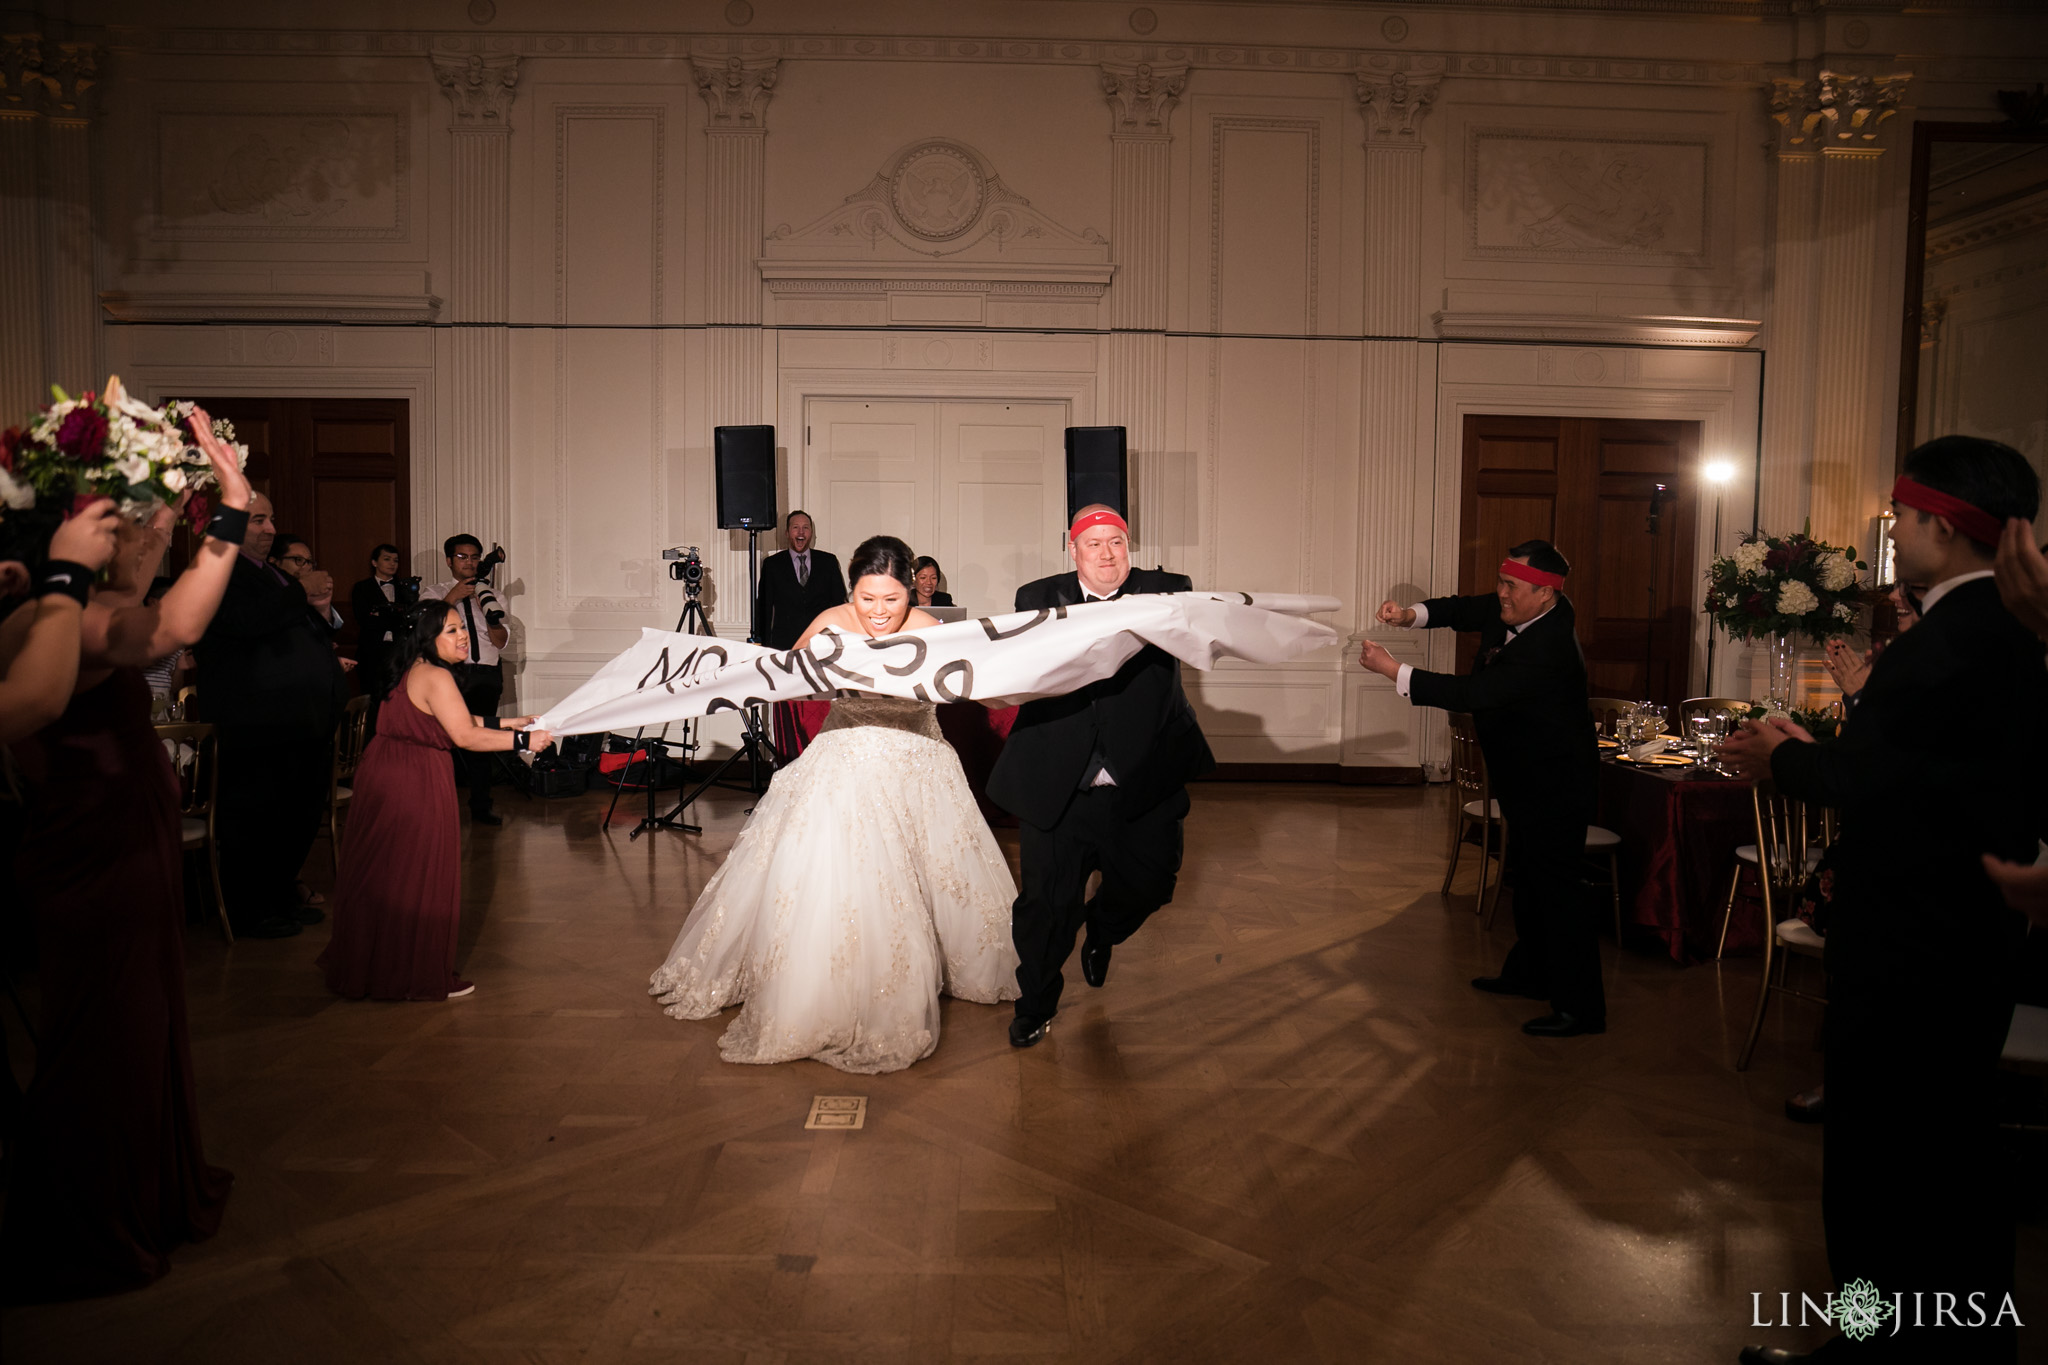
(796, 585)
(1526, 694)
(1098, 779)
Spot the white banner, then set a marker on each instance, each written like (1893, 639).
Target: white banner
(997, 659)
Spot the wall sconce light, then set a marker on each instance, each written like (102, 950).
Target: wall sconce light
(1718, 472)
(1884, 561)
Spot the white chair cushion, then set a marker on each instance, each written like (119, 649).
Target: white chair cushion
(1747, 853)
(1597, 837)
(1797, 933)
(342, 794)
(1490, 811)
(194, 830)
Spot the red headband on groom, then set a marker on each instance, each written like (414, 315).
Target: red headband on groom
(1974, 522)
(1511, 569)
(1100, 517)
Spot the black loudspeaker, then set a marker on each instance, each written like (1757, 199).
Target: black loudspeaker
(746, 477)
(1095, 470)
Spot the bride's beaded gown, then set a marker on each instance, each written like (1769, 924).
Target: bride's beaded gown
(865, 884)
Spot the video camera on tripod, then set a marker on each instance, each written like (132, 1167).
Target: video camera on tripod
(686, 566)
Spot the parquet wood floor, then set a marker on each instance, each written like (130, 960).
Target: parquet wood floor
(1286, 1130)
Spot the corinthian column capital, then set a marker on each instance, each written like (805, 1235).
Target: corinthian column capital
(737, 89)
(71, 72)
(1141, 97)
(1394, 105)
(481, 89)
(1855, 110)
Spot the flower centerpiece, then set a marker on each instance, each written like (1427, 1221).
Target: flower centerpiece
(106, 445)
(1776, 589)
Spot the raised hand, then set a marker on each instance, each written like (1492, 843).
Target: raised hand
(2025, 888)
(1394, 614)
(1373, 658)
(227, 470)
(319, 586)
(88, 538)
(1848, 667)
(2022, 576)
(538, 740)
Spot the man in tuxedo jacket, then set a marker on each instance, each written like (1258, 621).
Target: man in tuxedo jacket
(1526, 695)
(381, 603)
(796, 584)
(1098, 780)
(1922, 951)
(269, 682)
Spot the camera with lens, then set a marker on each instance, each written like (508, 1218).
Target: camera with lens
(686, 566)
(489, 563)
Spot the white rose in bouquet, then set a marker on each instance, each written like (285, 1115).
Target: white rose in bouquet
(1749, 556)
(1795, 598)
(17, 495)
(1844, 612)
(1837, 572)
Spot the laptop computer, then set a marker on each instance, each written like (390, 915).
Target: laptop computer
(947, 613)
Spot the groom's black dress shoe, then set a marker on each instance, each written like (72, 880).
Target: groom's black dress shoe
(1562, 1025)
(1028, 1032)
(1500, 985)
(1094, 962)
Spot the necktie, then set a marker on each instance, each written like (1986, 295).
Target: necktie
(803, 569)
(475, 650)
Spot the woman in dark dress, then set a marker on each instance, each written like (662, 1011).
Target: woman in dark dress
(398, 900)
(106, 1173)
(925, 583)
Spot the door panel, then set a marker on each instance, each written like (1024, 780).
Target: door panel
(1586, 485)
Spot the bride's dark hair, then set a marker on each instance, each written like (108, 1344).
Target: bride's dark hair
(884, 555)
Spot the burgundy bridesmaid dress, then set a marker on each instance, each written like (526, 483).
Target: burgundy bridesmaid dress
(108, 1173)
(398, 900)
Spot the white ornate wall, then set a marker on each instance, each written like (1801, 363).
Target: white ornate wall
(1286, 246)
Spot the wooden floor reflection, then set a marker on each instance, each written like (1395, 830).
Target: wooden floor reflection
(1287, 1130)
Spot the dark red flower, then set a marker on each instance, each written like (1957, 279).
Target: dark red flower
(81, 501)
(197, 512)
(83, 433)
(10, 441)
(1755, 605)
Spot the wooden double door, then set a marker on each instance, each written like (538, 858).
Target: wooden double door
(338, 471)
(1588, 486)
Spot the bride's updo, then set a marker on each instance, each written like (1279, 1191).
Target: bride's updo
(884, 555)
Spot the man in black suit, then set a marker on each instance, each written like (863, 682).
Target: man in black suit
(1098, 779)
(1526, 695)
(1922, 949)
(269, 682)
(796, 584)
(380, 602)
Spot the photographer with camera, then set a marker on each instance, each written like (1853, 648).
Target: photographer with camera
(480, 679)
(380, 603)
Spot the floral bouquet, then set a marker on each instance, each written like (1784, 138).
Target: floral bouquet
(1794, 585)
(107, 445)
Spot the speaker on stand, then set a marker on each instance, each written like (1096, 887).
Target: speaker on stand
(1096, 470)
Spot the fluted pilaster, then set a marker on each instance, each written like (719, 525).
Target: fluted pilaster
(1784, 491)
(474, 482)
(21, 293)
(1141, 102)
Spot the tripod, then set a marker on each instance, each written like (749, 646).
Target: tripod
(692, 622)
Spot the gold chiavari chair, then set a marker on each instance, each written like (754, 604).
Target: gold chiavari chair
(186, 707)
(1472, 804)
(349, 738)
(1786, 833)
(1694, 706)
(194, 752)
(1607, 711)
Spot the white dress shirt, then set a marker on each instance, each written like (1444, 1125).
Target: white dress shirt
(1102, 777)
(472, 611)
(1422, 619)
(1947, 586)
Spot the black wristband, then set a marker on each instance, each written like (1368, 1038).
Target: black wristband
(520, 741)
(62, 576)
(491, 723)
(228, 525)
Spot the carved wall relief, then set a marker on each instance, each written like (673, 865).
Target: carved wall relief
(283, 177)
(1563, 196)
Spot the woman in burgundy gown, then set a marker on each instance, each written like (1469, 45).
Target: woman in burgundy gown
(106, 1173)
(398, 900)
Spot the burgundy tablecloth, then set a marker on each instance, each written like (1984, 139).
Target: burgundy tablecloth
(975, 732)
(1678, 834)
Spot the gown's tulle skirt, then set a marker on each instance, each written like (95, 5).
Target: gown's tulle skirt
(866, 883)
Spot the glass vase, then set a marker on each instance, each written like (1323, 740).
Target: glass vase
(1781, 653)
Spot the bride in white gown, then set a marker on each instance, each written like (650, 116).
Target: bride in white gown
(865, 884)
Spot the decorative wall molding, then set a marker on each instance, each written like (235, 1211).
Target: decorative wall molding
(480, 89)
(1142, 97)
(269, 306)
(1633, 331)
(1394, 105)
(331, 174)
(1988, 227)
(1219, 130)
(736, 89)
(1536, 194)
(40, 76)
(1834, 111)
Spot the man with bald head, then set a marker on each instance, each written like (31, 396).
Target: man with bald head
(269, 682)
(1098, 781)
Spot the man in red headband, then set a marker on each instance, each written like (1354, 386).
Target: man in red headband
(1922, 949)
(1098, 780)
(1527, 698)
